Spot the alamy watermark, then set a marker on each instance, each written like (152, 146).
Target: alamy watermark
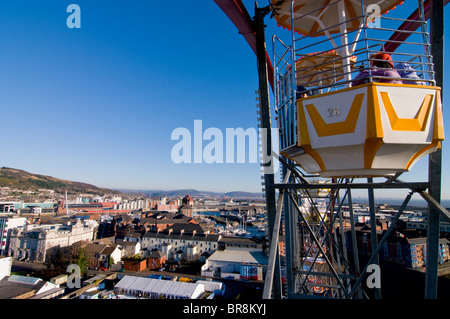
(374, 279)
(74, 278)
(235, 145)
(74, 19)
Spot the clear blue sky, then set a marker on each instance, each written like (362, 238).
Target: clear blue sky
(98, 104)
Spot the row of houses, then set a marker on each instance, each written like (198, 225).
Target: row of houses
(181, 242)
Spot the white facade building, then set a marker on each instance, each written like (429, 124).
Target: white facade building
(34, 242)
(7, 223)
(133, 205)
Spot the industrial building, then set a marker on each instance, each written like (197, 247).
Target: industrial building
(24, 287)
(240, 263)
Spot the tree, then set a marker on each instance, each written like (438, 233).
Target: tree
(81, 259)
(110, 261)
(56, 262)
(60, 261)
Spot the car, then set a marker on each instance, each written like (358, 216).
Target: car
(167, 277)
(229, 277)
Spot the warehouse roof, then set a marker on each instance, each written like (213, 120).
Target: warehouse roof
(239, 256)
(176, 289)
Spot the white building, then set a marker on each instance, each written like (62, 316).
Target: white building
(7, 223)
(8, 207)
(181, 245)
(129, 248)
(133, 204)
(35, 242)
(149, 288)
(239, 263)
(5, 266)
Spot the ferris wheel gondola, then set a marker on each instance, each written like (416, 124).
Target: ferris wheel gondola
(378, 128)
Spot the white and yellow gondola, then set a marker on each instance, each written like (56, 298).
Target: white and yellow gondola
(368, 130)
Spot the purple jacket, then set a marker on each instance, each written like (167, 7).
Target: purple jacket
(361, 78)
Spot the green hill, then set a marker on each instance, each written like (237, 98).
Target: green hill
(16, 178)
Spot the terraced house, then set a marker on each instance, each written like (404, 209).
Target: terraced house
(190, 242)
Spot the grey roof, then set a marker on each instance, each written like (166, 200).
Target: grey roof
(133, 233)
(241, 240)
(189, 236)
(156, 254)
(13, 286)
(127, 243)
(186, 227)
(240, 256)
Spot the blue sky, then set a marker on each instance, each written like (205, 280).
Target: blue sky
(98, 104)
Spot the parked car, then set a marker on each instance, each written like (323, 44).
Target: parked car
(229, 277)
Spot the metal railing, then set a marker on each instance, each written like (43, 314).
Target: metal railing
(285, 90)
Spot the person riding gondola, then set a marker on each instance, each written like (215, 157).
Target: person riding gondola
(381, 70)
(301, 92)
(408, 74)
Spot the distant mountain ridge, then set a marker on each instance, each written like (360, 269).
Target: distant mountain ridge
(192, 192)
(20, 179)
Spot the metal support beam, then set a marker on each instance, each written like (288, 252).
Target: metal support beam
(435, 159)
(269, 179)
(354, 240)
(436, 205)
(291, 236)
(415, 186)
(373, 232)
(274, 247)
